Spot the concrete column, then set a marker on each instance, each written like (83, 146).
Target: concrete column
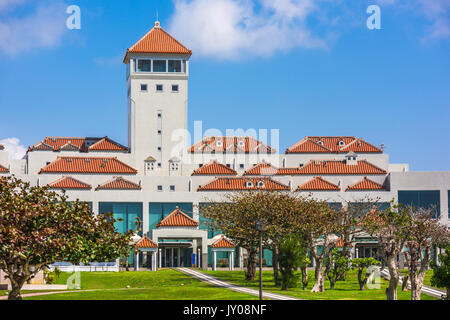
(179, 257)
(199, 257)
(160, 258)
(356, 253)
(214, 261)
(136, 261)
(205, 261)
(145, 217)
(154, 261)
(171, 255)
(231, 261)
(195, 211)
(241, 258)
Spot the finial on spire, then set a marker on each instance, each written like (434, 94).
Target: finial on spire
(157, 24)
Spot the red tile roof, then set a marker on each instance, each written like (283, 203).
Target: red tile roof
(222, 242)
(77, 144)
(318, 184)
(119, 183)
(261, 169)
(177, 218)
(157, 40)
(214, 168)
(340, 243)
(365, 184)
(333, 145)
(331, 167)
(3, 169)
(146, 242)
(240, 183)
(69, 183)
(230, 145)
(88, 165)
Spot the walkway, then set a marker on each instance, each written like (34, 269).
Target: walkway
(219, 283)
(430, 291)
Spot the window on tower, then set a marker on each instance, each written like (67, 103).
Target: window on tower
(159, 65)
(144, 66)
(159, 87)
(175, 88)
(143, 87)
(174, 65)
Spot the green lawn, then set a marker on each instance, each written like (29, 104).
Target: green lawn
(165, 284)
(344, 290)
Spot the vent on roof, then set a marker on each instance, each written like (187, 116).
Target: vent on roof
(260, 184)
(219, 143)
(341, 143)
(249, 184)
(69, 160)
(320, 142)
(241, 143)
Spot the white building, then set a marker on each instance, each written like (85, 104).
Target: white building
(165, 182)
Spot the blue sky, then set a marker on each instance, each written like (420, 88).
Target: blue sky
(301, 66)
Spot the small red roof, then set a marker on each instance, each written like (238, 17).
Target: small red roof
(222, 242)
(230, 145)
(261, 169)
(83, 144)
(119, 183)
(88, 165)
(177, 218)
(318, 184)
(146, 242)
(69, 183)
(214, 168)
(317, 144)
(324, 167)
(157, 40)
(243, 183)
(365, 184)
(3, 169)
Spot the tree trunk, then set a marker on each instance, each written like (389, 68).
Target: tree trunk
(361, 281)
(391, 291)
(15, 291)
(305, 278)
(251, 265)
(319, 283)
(448, 293)
(405, 283)
(276, 272)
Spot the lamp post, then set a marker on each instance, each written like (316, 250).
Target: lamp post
(260, 228)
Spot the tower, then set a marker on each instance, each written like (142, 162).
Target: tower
(157, 83)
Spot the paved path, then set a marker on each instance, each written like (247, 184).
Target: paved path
(219, 283)
(430, 291)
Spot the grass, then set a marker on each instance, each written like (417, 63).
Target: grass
(344, 290)
(165, 284)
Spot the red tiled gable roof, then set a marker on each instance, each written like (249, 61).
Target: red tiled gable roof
(240, 183)
(261, 169)
(69, 183)
(230, 145)
(222, 242)
(333, 145)
(146, 242)
(214, 168)
(3, 169)
(318, 184)
(107, 144)
(177, 218)
(119, 183)
(324, 167)
(157, 40)
(88, 165)
(77, 144)
(340, 243)
(365, 184)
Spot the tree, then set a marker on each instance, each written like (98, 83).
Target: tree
(236, 216)
(39, 227)
(361, 264)
(304, 263)
(426, 231)
(336, 266)
(441, 272)
(319, 224)
(391, 227)
(291, 256)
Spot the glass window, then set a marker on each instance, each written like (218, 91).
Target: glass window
(130, 213)
(175, 88)
(144, 66)
(160, 210)
(172, 188)
(425, 198)
(159, 188)
(159, 87)
(143, 87)
(174, 65)
(159, 65)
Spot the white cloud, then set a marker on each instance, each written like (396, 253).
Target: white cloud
(42, 28)
(14, 148)
(232, 29)
(6, 5)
